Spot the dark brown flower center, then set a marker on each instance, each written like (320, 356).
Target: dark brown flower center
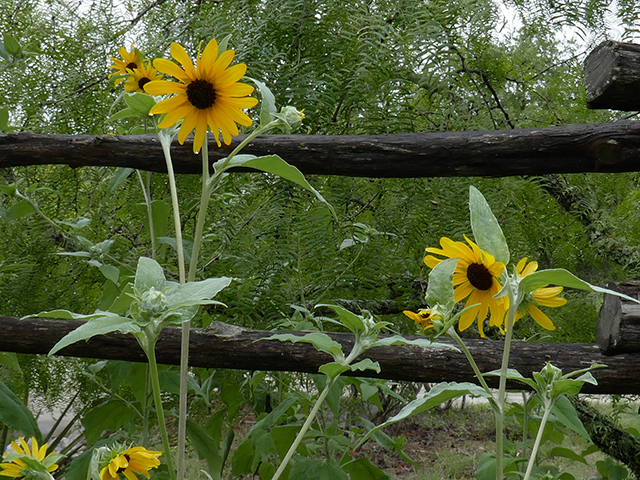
(142, 82)
(201, 94)
(131, 65)
(479, 276)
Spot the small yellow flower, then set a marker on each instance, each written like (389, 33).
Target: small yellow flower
(207, 95)
(547, 297)
(128, 463)
(17, 468)
(475, 278)
(140, 76)
(424, 318)
(130, 61)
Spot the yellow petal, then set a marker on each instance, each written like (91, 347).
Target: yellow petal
(188, 125)
(231, 75)
(167, 66)
(208, 58)
(223, 61)
(164, 87)
(180, 54)
(540, 317)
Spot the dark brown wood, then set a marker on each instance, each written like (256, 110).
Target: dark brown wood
(226, 346)
(618, 328)
(612, 76)
(608, 147)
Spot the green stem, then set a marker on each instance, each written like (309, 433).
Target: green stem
(536, 445)
(165, 141)
(155, 386)
(202, 213)
(147, 201)
(453, 334)
(502, 389)
(304, 429)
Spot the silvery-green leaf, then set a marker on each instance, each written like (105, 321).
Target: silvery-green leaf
(320, 341)
(149, 273)
(440, 289)
(193, 293)
(486, 229)
(349, 319)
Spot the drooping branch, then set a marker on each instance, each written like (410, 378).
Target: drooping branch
(227, 346)
(608, 147)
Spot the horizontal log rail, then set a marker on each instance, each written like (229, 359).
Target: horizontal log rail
(227, 346)
(606, 147)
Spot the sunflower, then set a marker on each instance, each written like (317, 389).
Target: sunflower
(424, 318)
(17, 468)
(475, 277)
(128, 463)
(208, 94)
(547, 297)
(140, 76)
(130, 61)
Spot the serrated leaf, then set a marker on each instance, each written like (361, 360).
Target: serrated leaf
(305, 468)
(419, 342)
(363, 469)
(19, 210)
(110, 415)
(486, 229)
(124, 113)
(110, 272)
(206, 447)
(366, 364)
(567, 453)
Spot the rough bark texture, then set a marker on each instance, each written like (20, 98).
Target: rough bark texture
(226, 346)
(618, 328)
(612, 76)
(608, 437)
(608, 147)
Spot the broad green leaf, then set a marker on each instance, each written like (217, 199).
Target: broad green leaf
(420, 342)
(77, 223)
(273, 418)
(19, 210)
(110, 415)
(11, 45)
(99, 324)
(567, 453)
(15, 414)
(363, 469)
(305, 468)
(512, 374)
(440, 289)
(119, 176)
(206, 448)
(243, 458)
(333, 369)
(277, 166)
(366, 364)
(110, 272)
(486, 229)
(187, 245)
(140, 103)
(193, 293)
(565, 413)
(10, 360)
(386, 441)
(268, 103)
(149, 273)
(283, 437)
(437, 395)
(350, 320)
(321, 342)
(4, 119)
(562, 277)
(124, 113)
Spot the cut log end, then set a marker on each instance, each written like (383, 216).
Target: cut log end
(618, 328)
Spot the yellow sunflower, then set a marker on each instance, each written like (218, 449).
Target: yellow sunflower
(128, 463)
(475, 277)
(208, 94)
(17, 468)
(139, 77)
(130, 61)
(547, 297)
(424, 318)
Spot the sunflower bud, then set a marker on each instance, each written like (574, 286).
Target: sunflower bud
(290, 118)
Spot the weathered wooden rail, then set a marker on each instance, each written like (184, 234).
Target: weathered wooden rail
(611, 147)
